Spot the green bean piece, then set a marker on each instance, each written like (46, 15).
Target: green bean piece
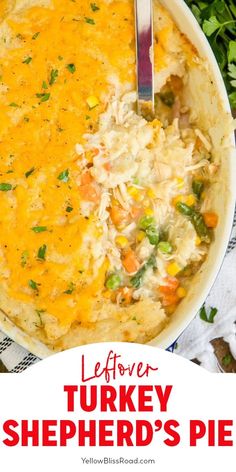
(185, 209)
(198, 187)
(200, 227)
(136, 280)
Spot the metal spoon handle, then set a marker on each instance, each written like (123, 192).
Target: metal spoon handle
(144, 53)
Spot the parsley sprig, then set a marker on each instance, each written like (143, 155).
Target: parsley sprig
(218, 21)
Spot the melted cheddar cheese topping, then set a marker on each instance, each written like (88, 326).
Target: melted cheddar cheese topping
(53, 58)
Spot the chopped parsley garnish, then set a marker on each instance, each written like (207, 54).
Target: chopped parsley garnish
(44, 85)
(90, 21)
(44, 97)
(71, 68)
(69, 209)
(32, 284)
(94, 7)
(24, 258)
(35, 35)
(39, 229)
(5, 187)
(13, 104)
(226, 361)
(27, 60)
(64, 176)
(42, 252)
(53, 76)
(39, 313)
(87, 117)
(209, 315)
(29, 172)
(71, 288)
(60, 58)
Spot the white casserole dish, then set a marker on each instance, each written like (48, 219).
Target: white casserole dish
(209, 98)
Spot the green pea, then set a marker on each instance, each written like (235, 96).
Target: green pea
(113, 282)
(146, 221)
(152, 235)
(165, 247)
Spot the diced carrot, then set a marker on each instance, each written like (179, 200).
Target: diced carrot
(170, 299)
(95, 152)
(107, 166)
(171, 285)
(86, 178)
(136, 212)
(89, 192)
(130, 262)
(124, 295)
(118, 215)
(211, 219)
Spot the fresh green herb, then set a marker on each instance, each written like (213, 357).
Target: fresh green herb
(137, 279)
(35, 35)
(145, 222)
(44, 85)
(113, 282)
(39, 229)
(89, 20)
(152, 235)
(64, 176)
(69, 209)
(165, 247)
(198, 187)
(197, 221)
(71, 68)
(71, 288)
(24, 258)
(29, 172)
(60, 58)
(32, 284)
(44, 97)
(5, 187)
(27, 60)
(39, 313)
(209, 315)
(87, 117)
(226, 361)
(218, 21)
(53, 76)
(42, 252)
(14, 105)
(168, 99)
(94, 7)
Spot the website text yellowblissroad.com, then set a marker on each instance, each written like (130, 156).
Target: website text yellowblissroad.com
(119, 460)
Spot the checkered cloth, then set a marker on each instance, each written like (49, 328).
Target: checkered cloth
(16, 359)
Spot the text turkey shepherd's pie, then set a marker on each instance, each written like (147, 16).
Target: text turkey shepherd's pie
(104, 217)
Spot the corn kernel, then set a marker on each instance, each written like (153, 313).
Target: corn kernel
(122, 241)
(198, 241)
(149, 211)
(190, 200)
(107, 294)
(180, 182)
(151, 193)
(173, 269)
(132, 191)
(92, 101)
(140, 236)
(181, 292)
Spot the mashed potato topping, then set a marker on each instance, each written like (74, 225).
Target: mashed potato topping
(104, 216)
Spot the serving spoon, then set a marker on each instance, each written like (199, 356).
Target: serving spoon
(144, 57)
